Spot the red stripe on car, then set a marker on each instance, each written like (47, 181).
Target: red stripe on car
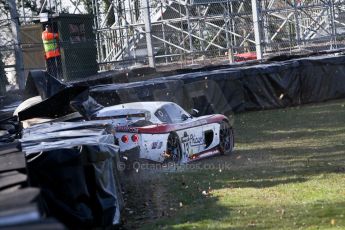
(166, 128)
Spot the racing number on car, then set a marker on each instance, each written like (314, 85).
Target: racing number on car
(186, 143)
(186, 146)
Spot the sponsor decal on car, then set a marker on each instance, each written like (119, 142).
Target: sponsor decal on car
(185, 137)
(195, 141)
(126, 129)
(156, 145)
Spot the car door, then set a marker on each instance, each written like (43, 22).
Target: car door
(191, 137)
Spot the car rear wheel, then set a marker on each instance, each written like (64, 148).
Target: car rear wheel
(174, 151)
(226, 138)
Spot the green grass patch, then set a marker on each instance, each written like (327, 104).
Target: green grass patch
(287, 172)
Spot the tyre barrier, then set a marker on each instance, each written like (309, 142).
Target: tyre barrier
(237, 89)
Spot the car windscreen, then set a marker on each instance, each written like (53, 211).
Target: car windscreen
(171, 113)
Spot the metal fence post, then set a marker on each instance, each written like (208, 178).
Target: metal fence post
(297, 26)
(229, 42)
(191, 48)
(257, 28)
(147, 20)
(98, 35)
(17, 43)
(333, 25)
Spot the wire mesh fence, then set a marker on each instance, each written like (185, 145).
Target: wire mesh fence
(191, 31)
(302, 26)
(108, 34)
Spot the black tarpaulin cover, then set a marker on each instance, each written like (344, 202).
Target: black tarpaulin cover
(239, 88)
(41, 83)
(68, 100)
(85, 105)
(74, 164)
(55, 106)
(58, 98)
(150, 90)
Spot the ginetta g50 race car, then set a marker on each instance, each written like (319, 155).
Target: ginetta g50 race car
(163, 131)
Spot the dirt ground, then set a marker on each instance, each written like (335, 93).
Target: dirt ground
(145, 195)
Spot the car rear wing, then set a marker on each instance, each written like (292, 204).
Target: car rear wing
(124, 113)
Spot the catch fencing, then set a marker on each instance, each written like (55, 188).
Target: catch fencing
(129, 33)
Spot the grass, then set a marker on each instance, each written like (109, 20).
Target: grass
(287, 172)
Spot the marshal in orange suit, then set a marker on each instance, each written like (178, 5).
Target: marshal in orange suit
(52, 52)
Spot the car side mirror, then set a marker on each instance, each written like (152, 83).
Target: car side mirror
(194, 112)
(184, 117)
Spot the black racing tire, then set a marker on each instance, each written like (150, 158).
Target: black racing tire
(174, 150)
(226, 138)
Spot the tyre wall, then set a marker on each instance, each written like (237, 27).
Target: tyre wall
(243, 88)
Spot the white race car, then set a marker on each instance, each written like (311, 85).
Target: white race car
(163, 131)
